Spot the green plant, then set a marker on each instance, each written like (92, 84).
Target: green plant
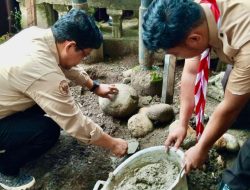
(137, 68)
(16, 17)
(156, 76)
(4, 38)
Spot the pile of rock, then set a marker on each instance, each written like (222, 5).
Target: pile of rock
(125, 104)
(141, 123)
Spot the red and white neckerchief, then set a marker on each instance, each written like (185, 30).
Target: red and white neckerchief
(202, 76)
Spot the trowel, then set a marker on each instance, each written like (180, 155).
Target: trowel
(133, 146)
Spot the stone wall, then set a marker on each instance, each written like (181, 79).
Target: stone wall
(116, 42)
(47, 11)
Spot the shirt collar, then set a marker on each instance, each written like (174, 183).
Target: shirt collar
(212, 26)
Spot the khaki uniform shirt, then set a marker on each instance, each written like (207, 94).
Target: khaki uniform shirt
(231, 40)
(30, 74)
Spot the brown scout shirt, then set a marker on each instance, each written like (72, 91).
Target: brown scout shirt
(30, 74)
(231, 40)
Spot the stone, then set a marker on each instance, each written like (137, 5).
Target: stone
(147, 82)
(221, 163)
(227, 142)
(193, 119)
(144, 101)
(139, 125)
(122, 105)
(215, 89)
(173, 125)
(118, 5)
(241, 142)
(126, 80)
(127, 73)
(159, 112)
(190, 139)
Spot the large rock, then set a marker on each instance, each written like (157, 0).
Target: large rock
(122, 105)
(147, 82)
(144, 101)
(227, 142)
(190, 139)
(127, 73)
(139, 125)
(159, 112)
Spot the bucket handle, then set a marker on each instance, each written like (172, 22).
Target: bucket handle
(180, 174)
(98, 183)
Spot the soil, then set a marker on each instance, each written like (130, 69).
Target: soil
(76, 166)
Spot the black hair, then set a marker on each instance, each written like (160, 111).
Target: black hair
(77, 26)
(168, 22)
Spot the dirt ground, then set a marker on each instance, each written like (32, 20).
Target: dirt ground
(70, 165)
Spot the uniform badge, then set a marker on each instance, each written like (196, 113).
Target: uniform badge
(64, 87)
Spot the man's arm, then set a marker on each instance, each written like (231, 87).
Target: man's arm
(236, 96)
(118, 147)
(80, 77)
(52, 94)
(187, 90)
(222, 118)
(176, 136)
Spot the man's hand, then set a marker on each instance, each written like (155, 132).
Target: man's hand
(117, 146)
(120, 147)
(194, 158)
(106, 90)
(175, 137)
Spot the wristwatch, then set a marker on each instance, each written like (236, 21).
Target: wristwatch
(96, 84)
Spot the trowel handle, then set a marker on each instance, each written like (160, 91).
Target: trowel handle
(98, 183)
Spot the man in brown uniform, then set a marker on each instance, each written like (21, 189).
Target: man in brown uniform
(186, 29)
(35, 100)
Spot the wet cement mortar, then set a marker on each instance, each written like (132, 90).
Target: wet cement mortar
(72, 165)
(154, 176)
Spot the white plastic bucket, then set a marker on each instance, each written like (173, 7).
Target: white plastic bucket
(144, 157)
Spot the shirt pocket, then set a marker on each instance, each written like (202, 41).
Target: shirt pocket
(228, 49)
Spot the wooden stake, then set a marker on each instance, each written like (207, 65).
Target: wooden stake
(168, 79)
(31, 12)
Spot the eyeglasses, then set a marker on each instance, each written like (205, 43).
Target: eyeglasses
(86, 58)
(86, 55)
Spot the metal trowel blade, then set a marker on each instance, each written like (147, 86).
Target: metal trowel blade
(133, 146)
